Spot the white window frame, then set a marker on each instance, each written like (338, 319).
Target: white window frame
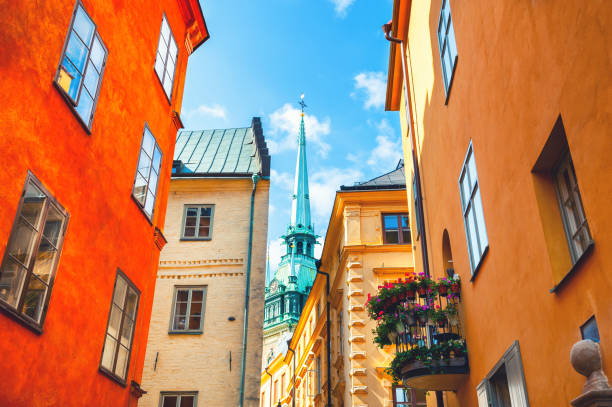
(471, 206)
(445, 40)
(570, 225)
(190, 289)
(163, 56)
(198, 218)
(152, 174)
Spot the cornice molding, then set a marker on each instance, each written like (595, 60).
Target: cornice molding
(174, 264)
(198, 275)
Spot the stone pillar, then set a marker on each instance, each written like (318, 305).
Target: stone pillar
(586, 359)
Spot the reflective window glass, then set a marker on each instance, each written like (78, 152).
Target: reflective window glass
(165, 59)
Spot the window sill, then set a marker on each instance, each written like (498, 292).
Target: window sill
(72, 109)
(112, 376)
(575, 267)
(142, 210)
(194, 239)
(185, 332)
(477, 269)
(20, 318)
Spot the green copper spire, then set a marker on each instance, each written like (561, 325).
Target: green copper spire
(300, 205)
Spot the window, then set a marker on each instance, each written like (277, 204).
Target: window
(473, 216)
(187, 399)
(417, 208)
(319, 375)
(32, 253)
(197, 222)
(188, 309)
(165, 59)
(396, 228)
(504, 386)
(300, 245)
(147, 174)
(120, 330)
(340, 333)
(572, 212)
(81, 68)
(275, 391)
(447, 45)
(589, 330)
(408, 397)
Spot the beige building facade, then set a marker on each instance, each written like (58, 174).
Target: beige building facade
(217, 218)
(367, 243)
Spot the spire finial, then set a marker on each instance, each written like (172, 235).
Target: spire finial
(301, 103)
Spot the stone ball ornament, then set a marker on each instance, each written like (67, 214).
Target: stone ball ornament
(585, 356)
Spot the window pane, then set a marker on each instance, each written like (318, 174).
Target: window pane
(482, 230)
(181, 308)
(45, 258)
(91, 79)
(83, 25)
(165, 29)
(114, 322)
(33, 203)
(405, 222)
(34, 298)
(148, 142)
(167, 84)
(473, 242)
(22, 243)
(197, 295)
(205, 211)
(120, 290)
(187, 401)
(179, 322)
(406, 238)
(390, 222)
(173, 51)
(153, 182)
(126, 332)
(140, 189)
(189, 232)
(109, 353)
(402, 395)
(182, 295)
(11, 281)
(69, 79)
(121, 366)
(84, 107)
(148, 207)
(97, 54)
(53, 225)
(157, 159)
(472, 168)
(76, 52)
(447, 66)
(159, 67)
(452, 45)
(192, 211)
(204, 231)
(196, 308)
(132, 302)
(144, 164)
(190, 221)
(170, 401)
(194, 323)
(392, 236)
(204, 221)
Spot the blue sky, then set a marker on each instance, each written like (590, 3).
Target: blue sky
(262, 55)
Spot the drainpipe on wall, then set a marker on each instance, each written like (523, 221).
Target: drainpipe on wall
(268, 373)
(293, 396)
(328, 336)
(247, 291)
(415, 163)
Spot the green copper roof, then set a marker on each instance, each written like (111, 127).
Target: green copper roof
(300, 205)
(222, 151)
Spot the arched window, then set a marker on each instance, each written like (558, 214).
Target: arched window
(300, 248)
(447, 255)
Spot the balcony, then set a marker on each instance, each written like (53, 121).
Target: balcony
(421, 318)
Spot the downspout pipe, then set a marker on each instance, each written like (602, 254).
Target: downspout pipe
(328, 335)
(415, 164)
(293, 396)
(247, 292)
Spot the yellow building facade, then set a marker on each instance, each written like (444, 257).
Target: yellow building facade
(367, 243)
(217, 219)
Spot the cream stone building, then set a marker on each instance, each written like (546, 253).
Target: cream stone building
(217, 219)
(368, 242)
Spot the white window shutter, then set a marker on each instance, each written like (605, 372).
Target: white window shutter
(483, 397)
(516, 381)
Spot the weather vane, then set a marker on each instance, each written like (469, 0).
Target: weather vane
(301, 103)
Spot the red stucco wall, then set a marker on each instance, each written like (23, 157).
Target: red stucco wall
(92, 177)
(520, 65)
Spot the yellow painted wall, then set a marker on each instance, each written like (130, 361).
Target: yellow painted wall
(201, 362)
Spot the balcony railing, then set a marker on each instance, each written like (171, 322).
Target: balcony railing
(421, 317)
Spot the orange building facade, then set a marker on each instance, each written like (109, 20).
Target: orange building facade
(506, 107)
(91, 95)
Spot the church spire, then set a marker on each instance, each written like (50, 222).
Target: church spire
(300, 205)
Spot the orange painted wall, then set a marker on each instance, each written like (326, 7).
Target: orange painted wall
(520, 65)
(92, 177)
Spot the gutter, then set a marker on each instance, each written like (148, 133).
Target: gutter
(415, 164)
(328, 345)
(268, 373)
(247, 295)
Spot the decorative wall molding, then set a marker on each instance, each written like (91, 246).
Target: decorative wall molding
(167, 264)
(198, 275)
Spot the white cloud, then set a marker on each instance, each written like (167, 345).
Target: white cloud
(282, 180)
(388, 148)
(324, 184)
(341, 6)
(285, 127)
(215, 110)
(374, 85)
